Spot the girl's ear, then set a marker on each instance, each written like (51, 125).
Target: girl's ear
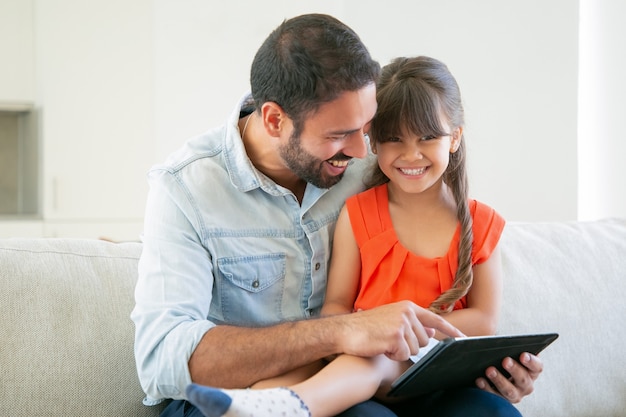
(373, 146)
(456, 139)
(274, 118)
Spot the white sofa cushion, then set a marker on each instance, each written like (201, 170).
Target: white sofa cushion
(570, 277)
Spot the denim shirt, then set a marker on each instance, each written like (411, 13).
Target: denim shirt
(224, 244)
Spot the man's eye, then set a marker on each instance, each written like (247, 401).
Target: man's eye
(341, 137)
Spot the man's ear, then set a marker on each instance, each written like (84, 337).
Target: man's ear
(274, 118)
(456, 139)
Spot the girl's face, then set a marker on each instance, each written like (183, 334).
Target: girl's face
(416, 163)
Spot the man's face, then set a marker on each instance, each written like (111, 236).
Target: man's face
(331, 137)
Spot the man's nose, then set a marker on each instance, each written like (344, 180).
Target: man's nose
(357, 145)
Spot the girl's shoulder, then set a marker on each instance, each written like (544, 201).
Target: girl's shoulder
(487, 228)
(368, 197)
(482, 212)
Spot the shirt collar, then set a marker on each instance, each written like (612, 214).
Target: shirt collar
(243, 174)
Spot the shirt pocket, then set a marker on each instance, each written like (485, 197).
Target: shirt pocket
(250, 288)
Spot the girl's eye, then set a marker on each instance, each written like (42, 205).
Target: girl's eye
(428, 137)
(392, 139)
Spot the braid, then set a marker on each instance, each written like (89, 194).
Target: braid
(456, 178)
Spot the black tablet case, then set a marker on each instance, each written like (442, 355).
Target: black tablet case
(458, 362)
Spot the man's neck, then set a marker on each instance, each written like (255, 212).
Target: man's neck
(262, 150)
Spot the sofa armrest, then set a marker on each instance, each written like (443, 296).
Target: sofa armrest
(570, 278)
(66, 337)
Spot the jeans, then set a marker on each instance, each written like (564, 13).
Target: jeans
(461, 402)
(182, 408)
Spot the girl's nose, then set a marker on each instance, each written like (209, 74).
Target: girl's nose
(412, 151)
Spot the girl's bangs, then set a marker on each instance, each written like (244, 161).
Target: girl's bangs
(421, 112)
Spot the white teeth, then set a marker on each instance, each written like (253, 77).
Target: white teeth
(339, 164)
(413, 171)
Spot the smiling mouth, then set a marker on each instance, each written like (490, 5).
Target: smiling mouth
(339, 163)
(412, 171)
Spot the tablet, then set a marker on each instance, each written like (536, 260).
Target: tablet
(456, 362)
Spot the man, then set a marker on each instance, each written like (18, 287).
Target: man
(238, 231)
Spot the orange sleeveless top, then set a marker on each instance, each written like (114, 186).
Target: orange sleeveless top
(390, 273)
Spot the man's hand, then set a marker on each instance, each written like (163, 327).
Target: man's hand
(521, 382)
(396, 330)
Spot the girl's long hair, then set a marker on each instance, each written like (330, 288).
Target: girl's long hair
(412, 94)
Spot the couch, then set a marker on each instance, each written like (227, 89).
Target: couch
(66, 340)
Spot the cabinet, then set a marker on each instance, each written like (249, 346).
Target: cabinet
(19, 147)
(95, 66)
(80, 80)
(17, 53)
(19, 163)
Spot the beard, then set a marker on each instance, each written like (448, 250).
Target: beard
(307, 166)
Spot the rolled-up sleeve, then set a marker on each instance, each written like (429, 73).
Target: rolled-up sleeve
(173, 292)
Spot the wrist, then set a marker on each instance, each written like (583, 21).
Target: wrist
(331, 332)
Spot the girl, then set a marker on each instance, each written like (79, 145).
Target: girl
(414, 235)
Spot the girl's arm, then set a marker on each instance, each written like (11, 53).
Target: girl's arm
(344, 271)
(484, 298)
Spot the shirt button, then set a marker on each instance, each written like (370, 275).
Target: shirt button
(255, 284)
(317, 266)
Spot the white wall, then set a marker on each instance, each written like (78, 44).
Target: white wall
(602, 109)
(516, 63)
(122, 84)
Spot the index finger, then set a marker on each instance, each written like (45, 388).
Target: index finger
(429, 319)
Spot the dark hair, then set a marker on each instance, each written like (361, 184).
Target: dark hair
(307, 61)
(412, 94)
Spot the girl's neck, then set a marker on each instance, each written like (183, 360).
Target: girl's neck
(437, 198)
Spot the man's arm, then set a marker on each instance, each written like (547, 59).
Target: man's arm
(229, 356)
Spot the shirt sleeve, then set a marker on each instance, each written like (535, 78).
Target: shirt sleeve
(487, 228)
(173, 292)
